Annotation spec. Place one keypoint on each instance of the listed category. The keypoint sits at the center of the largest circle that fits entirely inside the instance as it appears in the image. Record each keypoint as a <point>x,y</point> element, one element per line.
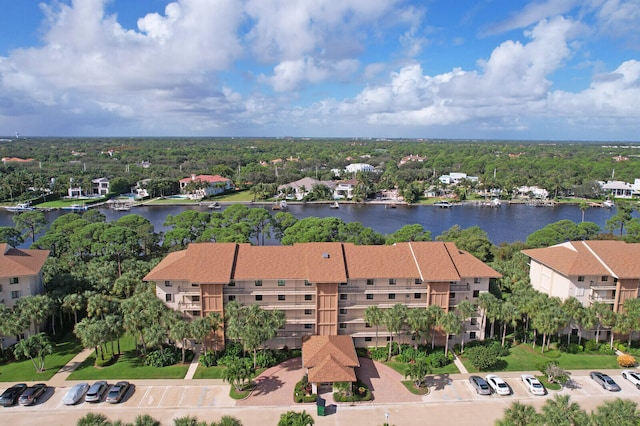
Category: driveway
<point>275,386</point>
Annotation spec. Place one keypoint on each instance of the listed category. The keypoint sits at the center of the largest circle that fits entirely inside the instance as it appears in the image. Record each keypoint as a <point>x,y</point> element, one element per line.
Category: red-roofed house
<point>20,276</point>
<point>323,288</point>
<point>205,185</point>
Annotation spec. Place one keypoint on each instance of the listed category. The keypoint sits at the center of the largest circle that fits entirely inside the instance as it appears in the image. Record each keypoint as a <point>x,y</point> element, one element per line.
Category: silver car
<point>605,381</point>
<point>480,385</point>
<point>96,391</point>
<point>75,394</point>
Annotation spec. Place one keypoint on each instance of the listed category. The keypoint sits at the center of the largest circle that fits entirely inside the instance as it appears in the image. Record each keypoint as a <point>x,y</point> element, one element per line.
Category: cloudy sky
<point>507,69</point>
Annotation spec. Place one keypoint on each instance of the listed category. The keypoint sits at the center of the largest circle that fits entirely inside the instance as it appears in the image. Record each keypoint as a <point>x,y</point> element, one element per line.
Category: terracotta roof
<point>468,265</point>
<point>205,178</point>
<point>330,358</point>
<point>434,261</point>
<point>199,263</point>
<point>20,262</point>
<point>394,261</point>
<point>569,259</point>
<point>620,257</point>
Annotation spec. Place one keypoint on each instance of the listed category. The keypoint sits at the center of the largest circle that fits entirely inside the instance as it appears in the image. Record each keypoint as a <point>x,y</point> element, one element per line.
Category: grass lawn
<point>128,366</point>
<point>411,387</point>
<point>208,372</point>
<point>401,368</point>
<point>24,371</point>
<point>524,358</point>
<point>236,196</point>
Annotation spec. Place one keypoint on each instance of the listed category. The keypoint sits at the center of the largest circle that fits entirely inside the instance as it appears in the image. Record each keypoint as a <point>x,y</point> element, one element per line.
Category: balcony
<point>188,290</point>
<point>459,287</point>
<point>602,299</point>
<point>192,306</point>
<point>602,286</point>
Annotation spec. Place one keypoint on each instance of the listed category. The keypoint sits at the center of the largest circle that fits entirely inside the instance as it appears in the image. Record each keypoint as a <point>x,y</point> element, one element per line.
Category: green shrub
<point>439,359</point>
<point>379,354</point>
<point>163,357</point>
<point>208,359</point>
<point>553,354</point>
<point>591,346</point>
<point>300,393</point>
<point>621,347</point>
<point>265,359</point>
<point>606,350</point>
<point>351,392</point>
<point>482,357</point>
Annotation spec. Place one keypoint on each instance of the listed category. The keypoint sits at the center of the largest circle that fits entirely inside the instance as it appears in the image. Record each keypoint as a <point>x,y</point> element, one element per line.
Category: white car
<point>632,376</point>
<point>498,385</point>
<point>533,384</point>
<point>75,394</point>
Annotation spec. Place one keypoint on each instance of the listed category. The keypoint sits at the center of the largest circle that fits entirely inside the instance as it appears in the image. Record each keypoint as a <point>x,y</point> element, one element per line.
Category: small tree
<point>237,373</point>
<point>292,418</point>
<point>36,348</point>
<point>418,370</point>
<point>555,374</point>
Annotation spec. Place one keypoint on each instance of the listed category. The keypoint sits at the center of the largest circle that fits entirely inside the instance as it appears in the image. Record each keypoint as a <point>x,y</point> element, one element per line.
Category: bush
<point>606,350</point>
<point>351,392</point>
<point>300,393</point>
<point>265,359</point>
<point>553,354</point>
<point>482,357</point>
<point>208,359</point>
<point>439,359</point>
<point>379,354</point>
<point>626,360</point>
<point>621,347</point>
<point>163,357</point>
<point>591,346</point>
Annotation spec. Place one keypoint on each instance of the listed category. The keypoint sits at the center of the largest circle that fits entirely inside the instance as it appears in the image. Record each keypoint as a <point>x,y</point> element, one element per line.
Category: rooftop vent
<point>325,255</point>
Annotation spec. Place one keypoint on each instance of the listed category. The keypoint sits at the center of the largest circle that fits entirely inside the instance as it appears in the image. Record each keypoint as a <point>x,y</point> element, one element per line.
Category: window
<point>392,296</point>
<point>581,278</point>
<point>15,294</point>
<point>258,297</point>
<point>369,296</point>
<point>232,297</point>
<point>308,326</point>
<point>308,311</point>
<point>282,297</point>
<point>14,280</point>
<point>367,339</point>
<point>307,283</point>
<point>232,284</point>
<point>370,281</point>
<point>418,281</point>
<point>476,293</point>
<point>195,313</point>
<point>343,311</point>
<point>604,278</point>
<point>168,297</point>
<point>417,295</point>
<point>474,321</point>
<point>579,292</point>
<point>281,283</point>
<point>308,297</point>
<point>343,296</point>
<point>476,280</point>
<point>195,285</point>
<point>258,283</point>
<point>392,281</point>
<point>343,325</point>
<point>472,335</point>
<point>452,295</point>
<point>367,325</point>
<point>168,284</point>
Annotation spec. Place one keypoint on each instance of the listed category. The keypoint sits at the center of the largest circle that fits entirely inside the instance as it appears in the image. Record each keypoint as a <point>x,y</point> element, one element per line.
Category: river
<point>509,223</point>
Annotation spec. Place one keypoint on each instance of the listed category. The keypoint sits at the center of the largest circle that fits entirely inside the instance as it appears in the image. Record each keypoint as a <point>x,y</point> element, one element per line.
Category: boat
<point>443,204</point>
<point>390,206</point>
<point>20,207</point>
<point>215,205</point>
<point>76,207</point>
<point>334,205</point>
<point>608,204</point>
<point>280,206</point>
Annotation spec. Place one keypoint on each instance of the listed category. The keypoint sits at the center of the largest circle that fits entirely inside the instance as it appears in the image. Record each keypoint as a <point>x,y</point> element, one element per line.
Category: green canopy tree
<point>408,233</point>
<point>11,236</point>
<point>35,347</point>
<point>452,326</point>
<point>418,370</point>
<point>394,319</point>
<point>30,223</point>
<point>616,412</point>
<point>560,411</point>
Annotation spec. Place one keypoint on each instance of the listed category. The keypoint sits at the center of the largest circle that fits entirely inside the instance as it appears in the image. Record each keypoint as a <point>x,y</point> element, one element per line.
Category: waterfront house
<point>620,189</point>
<point>302,187</point>
<point>359,167</point>
<point>20,276</point>
<point>100,186</point>
<point>323,288</point>
<point>344,189</point>
<point>207,185</point>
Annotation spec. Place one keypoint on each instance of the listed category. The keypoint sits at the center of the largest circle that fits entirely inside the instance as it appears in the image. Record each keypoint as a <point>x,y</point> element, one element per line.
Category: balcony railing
<point>602,299</point>
<point>602,285</point>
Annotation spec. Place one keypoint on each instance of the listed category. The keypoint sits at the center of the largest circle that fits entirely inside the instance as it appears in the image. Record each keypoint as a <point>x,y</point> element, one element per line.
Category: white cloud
<point>532,13</point>
<point>290,75</point>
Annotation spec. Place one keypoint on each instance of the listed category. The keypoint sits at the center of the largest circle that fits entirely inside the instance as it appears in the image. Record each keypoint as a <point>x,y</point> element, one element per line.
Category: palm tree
<point>490,306</point>
<point>583,207</point>
<point>434,312</point>
<point>373,316</point>
<point>74,302</point>
<point>418,321</point>
<point>559,411</point>
<point>394,319</point>
<point>616,413</point>
<point>145,420</point>
<point>519,414</point>
<point>509,315</point>
<point>417,371</point>
<point>575,311</point>
<point>93,419</point>
<point>466,310</point>
<point>292,418</point>
<point>602,313</point>
<point>452,325</point>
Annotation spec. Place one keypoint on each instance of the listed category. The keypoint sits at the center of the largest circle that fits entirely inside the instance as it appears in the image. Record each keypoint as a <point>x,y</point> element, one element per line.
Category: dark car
<point>32,393</point>
<point>11,395</point>
<point>117,392</point>
<point>605,381</point>
<point>480,385</point>
<point>96,391</point>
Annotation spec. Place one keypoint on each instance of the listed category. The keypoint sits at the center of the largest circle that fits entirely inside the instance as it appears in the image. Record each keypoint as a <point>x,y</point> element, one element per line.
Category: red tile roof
<point>329,358</point>
<point>205,178</point>
<point>20,262</point>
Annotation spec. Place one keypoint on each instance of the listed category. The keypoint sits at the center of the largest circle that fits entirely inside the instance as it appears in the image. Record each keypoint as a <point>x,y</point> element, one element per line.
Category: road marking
<point>141,403</point>
<point>161,403</point>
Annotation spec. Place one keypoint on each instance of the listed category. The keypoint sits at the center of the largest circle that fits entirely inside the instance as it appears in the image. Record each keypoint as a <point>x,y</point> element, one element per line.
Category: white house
<point>100,186</point>
<point>344,189</point>
<point>212,185</point>
<point>359,167</point>
<point>302,187</point>
<point>620,189</point>
<point>455,178</point>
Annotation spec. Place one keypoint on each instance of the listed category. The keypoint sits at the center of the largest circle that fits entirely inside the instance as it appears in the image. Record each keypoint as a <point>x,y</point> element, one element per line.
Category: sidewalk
<point>63,374</point>
<point>459,364</point>
<point>192,367</point>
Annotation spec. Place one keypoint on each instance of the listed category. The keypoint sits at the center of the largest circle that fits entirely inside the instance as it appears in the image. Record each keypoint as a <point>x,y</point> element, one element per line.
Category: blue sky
<point>505,69</point>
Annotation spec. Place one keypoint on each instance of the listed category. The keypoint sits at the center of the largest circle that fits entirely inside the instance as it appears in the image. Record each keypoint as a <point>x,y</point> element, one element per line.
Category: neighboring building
<point>212,185</point>
<point>16,160</point>
<point>359,167</point>
<point>324,288</point>
<point>456,178</point>
<point>75,192</point>
<point>344,189</point>
<point>533,191</point>
<point>411,159</point>
<point>620,189</point>
<point>100,186</point>
<point>329,359</point>
<point>20,276</point>
<point>590,271</point>
<point>302,187</point>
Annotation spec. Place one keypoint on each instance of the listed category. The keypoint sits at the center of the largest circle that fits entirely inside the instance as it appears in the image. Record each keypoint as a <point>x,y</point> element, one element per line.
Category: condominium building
<point>324,288</point>
<point>590,271</point>
<point>20,276</point>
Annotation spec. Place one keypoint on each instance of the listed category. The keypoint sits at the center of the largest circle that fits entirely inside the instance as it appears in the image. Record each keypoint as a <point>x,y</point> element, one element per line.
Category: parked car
<point>498,385</point>
<point>117,392</point>
<point>481,387</point>
<point>75,394</point>
<point>96,391</point>
<point>11,395</point>
<point>605,381</point>
<point>533,385</point>
<point>32,393</point>
<point>632,376</point>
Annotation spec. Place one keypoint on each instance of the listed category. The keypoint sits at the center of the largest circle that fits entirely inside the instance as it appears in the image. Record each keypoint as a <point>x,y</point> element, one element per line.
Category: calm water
<point>506,224</point>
